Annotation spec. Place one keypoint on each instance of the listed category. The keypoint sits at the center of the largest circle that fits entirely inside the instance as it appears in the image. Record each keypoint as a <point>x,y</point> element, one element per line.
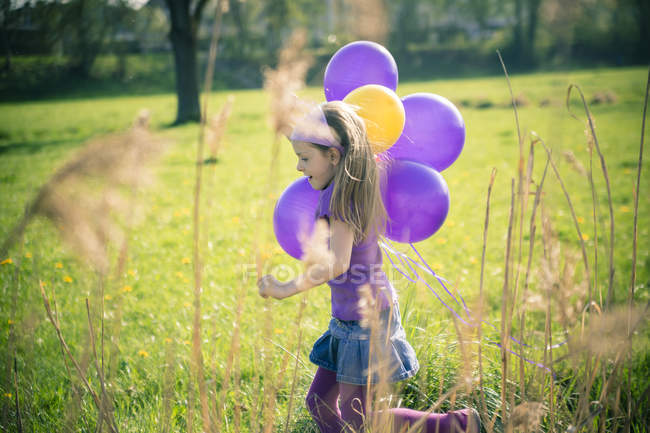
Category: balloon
<point>357,64</point>
<point>294,215</point>
<point>434,131</point>
<point>416,199</point>
<point>382,112</point>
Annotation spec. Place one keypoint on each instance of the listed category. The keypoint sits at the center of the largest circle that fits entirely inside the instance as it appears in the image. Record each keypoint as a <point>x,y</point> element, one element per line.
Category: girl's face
<point>316,165</point>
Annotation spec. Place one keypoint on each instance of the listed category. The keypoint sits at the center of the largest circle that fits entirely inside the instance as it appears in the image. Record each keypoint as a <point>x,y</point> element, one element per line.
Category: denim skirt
<point>346,348</point>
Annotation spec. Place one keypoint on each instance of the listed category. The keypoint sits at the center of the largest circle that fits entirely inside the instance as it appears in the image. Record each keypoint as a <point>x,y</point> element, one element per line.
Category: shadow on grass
<point>32,147</point>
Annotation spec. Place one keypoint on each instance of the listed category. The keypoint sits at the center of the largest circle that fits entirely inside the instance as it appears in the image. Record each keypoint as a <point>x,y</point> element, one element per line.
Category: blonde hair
<point>356,199</point>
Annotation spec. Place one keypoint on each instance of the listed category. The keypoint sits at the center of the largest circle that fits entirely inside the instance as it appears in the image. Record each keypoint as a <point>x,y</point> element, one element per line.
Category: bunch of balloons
<point>419,136</point>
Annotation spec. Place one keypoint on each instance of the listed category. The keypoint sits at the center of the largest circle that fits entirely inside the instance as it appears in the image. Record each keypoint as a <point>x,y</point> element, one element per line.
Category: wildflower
<point>108,297</point>
<point>179,274</point>
<point>6,262</point>
<point>187,305</point>
<point>581,220</point>
<point>242,252</point>
<point>186,260</point>
<point>177,214</point>
<point>168,340</point>
<point>59,265</point>
<point>185,211</point>
<point>8,395</point>
<point>126,289</point>
<point>67,279</point>
<point>186,280</point>
<point>186,342</point>
<point>28,255</point>
<point>441,241</point>
<point>235,220</point>
<point>10,322</point>
<point>131,272</point>
<point>438,266</point>
<point>585,237</point>
<point>467,237</point>
<point>279,331</point>
<point>472,260</point>
<point>624,208</point>
<point>143,353</point>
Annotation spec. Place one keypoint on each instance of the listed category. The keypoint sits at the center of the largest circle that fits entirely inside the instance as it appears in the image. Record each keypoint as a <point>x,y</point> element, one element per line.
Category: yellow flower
<point>177,214</point>
<point>185,211</point>
<point>627,171</point>
<point>108,297</point>
<point>186,280</point>
<point>127,289</point>
<point>168,340</point>
<point>624,208</point>
<point>8,395</point>
<point>451,223</point>
<point>179,274</point>
<point>67,279</point>
<point>186,342</point>
<point>279,331</point>
<point>242,252</point>
<point>441,241</point>
<point>467,237</point>
<point>10,322</point>
<point>585,237</point>
<point>59,265</point>
<point>235,220</point>
<point>143,353</point>
<point>131,272</point>
<point>473,260</point>
<point>581,220</point>
<point>187,305</point>
<point>437,266</point>
<point>28,255</point>
<point>186,260</point>
<point>6,262</point>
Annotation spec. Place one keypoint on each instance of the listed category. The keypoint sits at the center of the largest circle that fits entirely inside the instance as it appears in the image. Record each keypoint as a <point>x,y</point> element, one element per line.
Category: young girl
<point>333,151</point>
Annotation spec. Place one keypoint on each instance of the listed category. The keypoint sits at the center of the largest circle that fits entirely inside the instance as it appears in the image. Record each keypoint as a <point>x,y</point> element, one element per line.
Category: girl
<point>333,151</point>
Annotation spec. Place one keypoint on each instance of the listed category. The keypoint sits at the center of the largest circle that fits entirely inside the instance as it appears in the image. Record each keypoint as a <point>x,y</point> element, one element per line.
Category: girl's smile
<point>318,166</point>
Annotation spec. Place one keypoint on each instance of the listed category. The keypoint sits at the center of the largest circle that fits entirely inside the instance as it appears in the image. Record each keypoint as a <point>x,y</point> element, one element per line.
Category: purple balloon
<point>416,199</point>
<point>294,215</point>
<point>434,131</point>
<point>357,64</point>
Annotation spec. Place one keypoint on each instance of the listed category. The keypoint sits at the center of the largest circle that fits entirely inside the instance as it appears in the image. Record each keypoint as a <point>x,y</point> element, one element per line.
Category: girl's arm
<point>341,240</point>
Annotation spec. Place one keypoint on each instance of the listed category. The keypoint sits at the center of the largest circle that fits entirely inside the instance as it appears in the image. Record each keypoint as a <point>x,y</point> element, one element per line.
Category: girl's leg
<point>322,401</point>
<point>353,405</point>
<point>465,420</point>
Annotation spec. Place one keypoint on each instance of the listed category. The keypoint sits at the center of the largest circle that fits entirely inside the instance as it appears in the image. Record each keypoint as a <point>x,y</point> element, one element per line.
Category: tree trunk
<point>6,7</point>
<point>533,19</point>
<point>183,39</point>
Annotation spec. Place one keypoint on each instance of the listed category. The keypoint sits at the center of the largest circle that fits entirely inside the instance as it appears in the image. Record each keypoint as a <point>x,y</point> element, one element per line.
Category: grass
<point>151,301</point>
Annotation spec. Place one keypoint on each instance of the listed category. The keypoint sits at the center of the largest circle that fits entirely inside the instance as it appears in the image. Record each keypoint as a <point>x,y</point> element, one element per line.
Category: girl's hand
<point>269,286</point>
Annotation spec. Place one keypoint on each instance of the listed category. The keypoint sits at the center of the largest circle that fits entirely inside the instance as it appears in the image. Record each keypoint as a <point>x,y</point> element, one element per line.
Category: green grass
<point>36,137</point>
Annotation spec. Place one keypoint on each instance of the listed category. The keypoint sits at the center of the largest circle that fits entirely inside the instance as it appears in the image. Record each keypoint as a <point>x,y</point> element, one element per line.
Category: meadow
<point>255,351</point>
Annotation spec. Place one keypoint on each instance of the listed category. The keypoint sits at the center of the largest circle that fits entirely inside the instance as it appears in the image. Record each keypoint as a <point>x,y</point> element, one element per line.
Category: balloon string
<point>418,278</point>
<point>405,258</point>
<point>443,285</point>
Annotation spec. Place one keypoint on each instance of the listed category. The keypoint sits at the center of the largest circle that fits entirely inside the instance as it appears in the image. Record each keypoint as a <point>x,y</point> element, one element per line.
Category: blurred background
<point>54,47</point>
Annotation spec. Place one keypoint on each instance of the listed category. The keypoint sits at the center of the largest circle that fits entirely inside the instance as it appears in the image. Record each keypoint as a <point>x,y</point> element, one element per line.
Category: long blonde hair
<point>356,199</point>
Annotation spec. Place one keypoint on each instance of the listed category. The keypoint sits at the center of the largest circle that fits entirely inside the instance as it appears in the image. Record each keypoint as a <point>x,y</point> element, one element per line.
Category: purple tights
<point>336,406</point>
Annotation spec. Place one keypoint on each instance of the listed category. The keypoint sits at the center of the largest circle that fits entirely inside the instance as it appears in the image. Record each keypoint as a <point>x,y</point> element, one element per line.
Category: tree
<point>185,17</point>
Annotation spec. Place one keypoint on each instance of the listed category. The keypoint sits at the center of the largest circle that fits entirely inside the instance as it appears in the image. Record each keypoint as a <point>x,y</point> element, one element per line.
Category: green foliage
<point>155,314</point>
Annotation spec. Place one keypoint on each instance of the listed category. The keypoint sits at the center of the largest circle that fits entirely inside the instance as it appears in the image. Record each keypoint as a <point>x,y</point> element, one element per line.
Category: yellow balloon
<point>382,112</point>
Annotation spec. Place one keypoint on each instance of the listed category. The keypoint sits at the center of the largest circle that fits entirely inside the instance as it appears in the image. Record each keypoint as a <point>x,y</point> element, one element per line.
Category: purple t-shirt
<point>365,268</point>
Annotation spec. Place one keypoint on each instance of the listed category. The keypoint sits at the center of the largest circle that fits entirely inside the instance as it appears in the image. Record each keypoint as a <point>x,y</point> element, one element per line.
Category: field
<point>149,301</point>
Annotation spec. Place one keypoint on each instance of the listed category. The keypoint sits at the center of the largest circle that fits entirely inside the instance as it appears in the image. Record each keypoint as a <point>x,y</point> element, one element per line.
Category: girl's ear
<point>334,155</point>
